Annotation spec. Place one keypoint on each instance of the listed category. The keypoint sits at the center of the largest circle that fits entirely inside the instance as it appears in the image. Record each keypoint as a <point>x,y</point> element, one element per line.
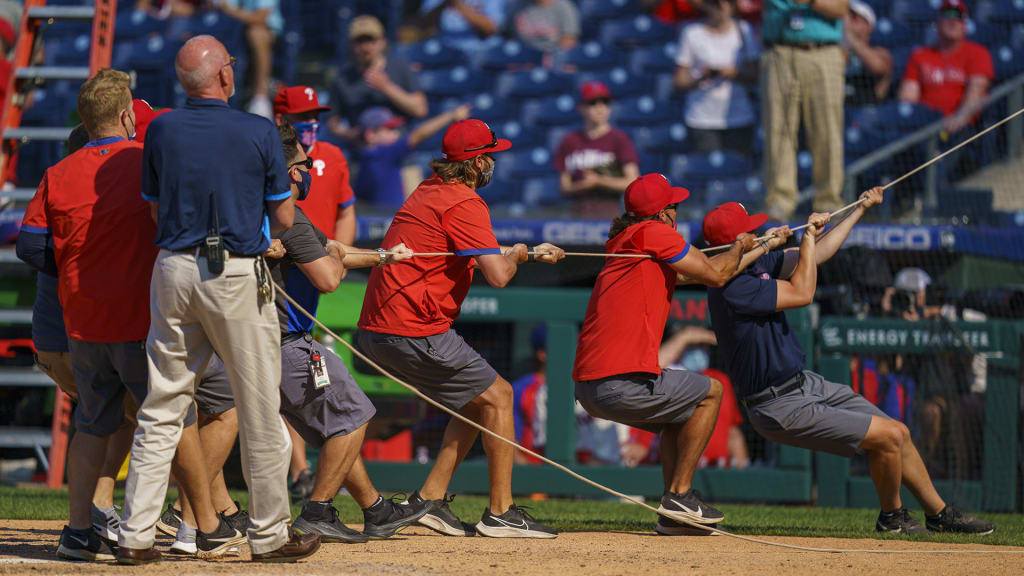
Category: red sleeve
<point>663,243</point>
<point>912,72</point>
<point>626,152</point>
<point>35,213</point>
<point>980,63</point>
<point>468,225</point>
<point>346,197</point>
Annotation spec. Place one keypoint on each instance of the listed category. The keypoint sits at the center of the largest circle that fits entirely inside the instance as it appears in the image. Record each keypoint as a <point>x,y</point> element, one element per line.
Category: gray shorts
<point>104,371</point>
<point>318,415</point>
<point>442,366</point>
<point>642,400</point>
<point>821,415</point>
<point>213,395</point>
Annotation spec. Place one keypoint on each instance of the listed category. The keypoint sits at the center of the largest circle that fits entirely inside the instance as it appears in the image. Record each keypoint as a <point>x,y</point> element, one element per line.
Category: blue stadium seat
<point>988,34</point>
<point>643,111</point>
<point>1002,11</point>
<point>665,89</point>
<point>535,83</point>
<point>68,50</point>
<point>488,108</point>
<point>500,192</point>
<point>882,8</point>
<point>804,169</point>
<point>541,191</point>
<point>62,28</point>
<point>519,135</point>
<point>136,24</point>
<point>693,170</point>
<point>619,81</point>
<point>152,59</point>
<point>458,81</point>
<point>641,30</point>
<point>899,117</point>
<point>228,30</point>
<point>746,189</point>
<point>916,10</point>
<point>510,54</point>
<point>607,9</point>
<point>433,53</point>
<point>521,163</point>
<point>552,111</point>
<point>900,57</point>
<point>659,59</point>
<point>663,139</point>
<point>556,134</point>
<point>1008,62</point>
<point>890,34</point>
<point>590,56</point>
<point>858,143</point>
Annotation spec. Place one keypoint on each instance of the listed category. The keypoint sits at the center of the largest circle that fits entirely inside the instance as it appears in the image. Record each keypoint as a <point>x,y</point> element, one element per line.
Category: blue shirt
<point>759,346</point>
<point>304,243</point>
<point>789,21</point>
<point>380,174</point>
<point>208,147</point>
<point>458,32</point>
<point>48,333</point>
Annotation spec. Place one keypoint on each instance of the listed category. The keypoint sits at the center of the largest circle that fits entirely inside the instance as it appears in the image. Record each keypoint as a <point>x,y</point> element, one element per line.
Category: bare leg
<point>261,41</point>
<point>358,484</point>
<point>495,406</point>
<point>917,480</point>
<point>458,439</point>
<point>118,445</point>
<point>884,445</point>
<point>86,458</point>
<point>336,459</point>
<point>217,433</point>
<point>669,435</point>
<point>693,438</point>
<point>299,462</point>
<point>190,469</point>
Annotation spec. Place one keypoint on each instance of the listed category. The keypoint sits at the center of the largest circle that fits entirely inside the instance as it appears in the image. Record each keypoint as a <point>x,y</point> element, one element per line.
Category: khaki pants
<point>192,314</point>
<point>809,85</point>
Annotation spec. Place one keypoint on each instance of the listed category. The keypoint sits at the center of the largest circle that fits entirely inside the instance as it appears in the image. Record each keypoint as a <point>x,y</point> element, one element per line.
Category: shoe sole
<point>389,530</point>
<point>882,529</point>
<point>221,549</point>
<point>507,532</point>
<point>305,528</point>
<point>441,527</point>
<point>135,562</point>
<point>986,533</point>
<point>685,530</point>
<point>183,549</point>
<point>167,529</point>
<point>692,517</point>
<point>105,533</point>
<point>81,555</point>
<point>287,559</point>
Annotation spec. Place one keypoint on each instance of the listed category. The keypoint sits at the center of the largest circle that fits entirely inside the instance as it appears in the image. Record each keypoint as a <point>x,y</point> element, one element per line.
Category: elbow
<point>499,282</point>
<point>328,285</point>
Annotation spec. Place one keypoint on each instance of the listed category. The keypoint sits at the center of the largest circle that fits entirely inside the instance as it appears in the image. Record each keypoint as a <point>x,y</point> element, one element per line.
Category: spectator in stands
<point>373,77</point>
<point>802,81</point>
<point>530,399</point>
<point>675,11</point>
<point>465,24</point>
<point>263,24</point>
<point>716,57</point>
<point>164,9</point>
<point>331,203</point>
<point>868,68</point>
<point>952,76</point>
<point>598,160</point>
<point>385,148</point>
<point>547,25</point>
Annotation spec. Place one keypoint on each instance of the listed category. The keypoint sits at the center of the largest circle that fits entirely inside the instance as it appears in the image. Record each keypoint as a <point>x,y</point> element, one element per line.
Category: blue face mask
<point>696,359</point>
<point>307,133</point>
<point>304,184</point>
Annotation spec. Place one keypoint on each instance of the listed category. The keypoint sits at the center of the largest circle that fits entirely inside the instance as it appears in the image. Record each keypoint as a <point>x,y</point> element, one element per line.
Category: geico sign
<point>568,232</point>
<point>891,238</point>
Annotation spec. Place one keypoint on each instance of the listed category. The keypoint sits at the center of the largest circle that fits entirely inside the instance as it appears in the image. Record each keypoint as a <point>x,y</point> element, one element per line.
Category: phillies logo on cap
<point>470,138</point>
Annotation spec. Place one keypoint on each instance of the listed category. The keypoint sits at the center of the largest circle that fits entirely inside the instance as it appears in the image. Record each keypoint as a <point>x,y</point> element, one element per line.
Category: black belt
<point>773,392</point>
<point>800,45</point>
<point>293,336</point>
<point>192,250</point>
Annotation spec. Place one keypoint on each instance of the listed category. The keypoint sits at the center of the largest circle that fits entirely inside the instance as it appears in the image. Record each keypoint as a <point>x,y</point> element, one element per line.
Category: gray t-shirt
<point>543,25</point>
<point>305,244</point>
<point>350,94</point>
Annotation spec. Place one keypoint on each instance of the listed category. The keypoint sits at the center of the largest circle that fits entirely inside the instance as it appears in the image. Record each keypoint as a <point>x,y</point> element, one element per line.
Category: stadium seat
<point>228,30</point>
<point>746,189</point>
<point>1008,62</point>
<point>535,83</point>
<point>890,34</point>
<point>619,81</point>
<point>857,143</point>
<point>552,111</point>
<point>521,163</point>
<point>589,56</point>
<point>433,53</point>
<point>665,89</point>
<point>520,137</point>
<point>68,50</point>
<point>134,24</point>
<point>1006,11</point>
<point>900,117</point>
<point>989,34</point>
<point>607,9</point>
<point>915,10</point>
<point>882,8</point>
<point>458,81</point>
<point>510,54</point>
<point>657,59</point>
<point>900,57</point>
<point>662,139</point>
<point>641,30</point>
<point>541,191</point>
<point>804,169</point>
<point>643,111</point>
<point>556,134</point>
<point>488,108</point>
<point>697,169</point>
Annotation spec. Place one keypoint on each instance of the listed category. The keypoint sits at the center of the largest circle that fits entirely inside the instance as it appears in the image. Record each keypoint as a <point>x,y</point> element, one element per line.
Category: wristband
<point>383,257</point>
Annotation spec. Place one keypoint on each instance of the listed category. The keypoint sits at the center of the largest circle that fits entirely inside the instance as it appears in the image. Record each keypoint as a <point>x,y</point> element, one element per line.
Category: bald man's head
<point>200,64</point>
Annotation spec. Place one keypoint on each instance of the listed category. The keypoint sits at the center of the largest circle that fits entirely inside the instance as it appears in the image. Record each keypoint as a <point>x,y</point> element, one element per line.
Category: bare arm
<point>326,273</point>
<point>910,91</point>
<point>247,17</point>
<point>830,241</point>
<point>428,128</point>
<point>977,86</point>
<point>715,271</point>
<point>282,214</point>
<point>684,78</point>
<point>345,225</point>
<point>799,290</point>
<point>356,258</point>
<point>833,9</point>
<point>154,211</point>
<point>630,172</point>
<point>674,347</point>
<point>498,269</point>
<point>480,23</point>
<point>877,59</point>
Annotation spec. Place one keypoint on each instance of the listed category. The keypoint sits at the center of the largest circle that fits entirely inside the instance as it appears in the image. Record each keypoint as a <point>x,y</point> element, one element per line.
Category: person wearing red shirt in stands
<point>952,76</point>
<point>408,313</point>
<point>617,373</point>
<point>331,203</point>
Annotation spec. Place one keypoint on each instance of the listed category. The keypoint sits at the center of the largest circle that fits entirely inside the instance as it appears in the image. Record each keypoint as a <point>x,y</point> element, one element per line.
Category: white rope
<point>630,499</point>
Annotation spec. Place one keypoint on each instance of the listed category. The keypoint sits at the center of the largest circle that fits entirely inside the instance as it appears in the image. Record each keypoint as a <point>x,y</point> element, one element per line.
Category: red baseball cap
<point>296,100</point>
<point>723,224</point>
<point>594,90</point>
<point>953,5</point>
<point>470,138</point>
<point>7,32</point>
<point>144,114</point>
<point>650,193</point>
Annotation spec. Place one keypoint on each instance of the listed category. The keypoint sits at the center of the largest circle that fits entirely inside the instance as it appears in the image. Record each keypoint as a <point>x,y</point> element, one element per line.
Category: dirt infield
<point>28,547</point>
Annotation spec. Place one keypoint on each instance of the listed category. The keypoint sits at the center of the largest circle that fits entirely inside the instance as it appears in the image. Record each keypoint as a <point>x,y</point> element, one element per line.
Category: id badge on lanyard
<point>318,368</point>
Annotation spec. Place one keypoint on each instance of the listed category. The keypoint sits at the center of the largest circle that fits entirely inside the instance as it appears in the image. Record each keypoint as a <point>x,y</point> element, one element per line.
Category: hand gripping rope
<point>668,514</point>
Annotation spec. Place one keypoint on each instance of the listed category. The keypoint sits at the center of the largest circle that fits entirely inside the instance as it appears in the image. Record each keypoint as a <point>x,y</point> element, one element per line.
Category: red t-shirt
<point>943,76</point>
<point>605,155</point>
<point>629,305</point>
<point>422,296</point>
<point>330,190</point>
<point>729,415</point>
<point>91,202</point>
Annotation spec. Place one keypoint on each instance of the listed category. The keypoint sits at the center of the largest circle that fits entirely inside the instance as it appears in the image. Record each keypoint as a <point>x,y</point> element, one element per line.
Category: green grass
<point>589,515</point>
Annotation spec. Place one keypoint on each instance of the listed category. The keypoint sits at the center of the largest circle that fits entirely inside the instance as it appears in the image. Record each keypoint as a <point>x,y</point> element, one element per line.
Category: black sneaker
<point>953,520</point>
<point>691,506</point>
<point>215,544</point>
<point>321,518</point>
<point>669,527</point>
<point>239,520</point>
<point>440,517</point>
<point>516,522</point>
<point>386,517</point>
<point>85,545</point>
<point>169,521</point>
<point>302,488</point>
<point>899,522</point>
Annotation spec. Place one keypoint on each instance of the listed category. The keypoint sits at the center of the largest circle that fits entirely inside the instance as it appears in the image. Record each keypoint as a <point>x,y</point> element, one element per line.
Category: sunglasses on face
<point>952,15</point>
<point>308,163</point>
<point>364,39</point>
<point>596,101</point>
<point>494,142</point>
<point>231,62</point>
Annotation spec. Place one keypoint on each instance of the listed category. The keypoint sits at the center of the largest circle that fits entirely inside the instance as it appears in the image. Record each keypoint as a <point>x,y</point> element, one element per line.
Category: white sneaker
<point>184,541</point>
<point>260,106</point>
<point>106,525</point>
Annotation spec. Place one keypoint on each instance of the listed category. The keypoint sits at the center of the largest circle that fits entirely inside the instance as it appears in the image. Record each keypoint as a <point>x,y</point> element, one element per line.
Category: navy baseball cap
<point>379,117</point>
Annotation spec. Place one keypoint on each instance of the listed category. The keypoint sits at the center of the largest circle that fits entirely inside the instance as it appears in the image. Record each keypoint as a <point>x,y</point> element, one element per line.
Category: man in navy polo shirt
<point>212,174</point>
<point>790,405</point>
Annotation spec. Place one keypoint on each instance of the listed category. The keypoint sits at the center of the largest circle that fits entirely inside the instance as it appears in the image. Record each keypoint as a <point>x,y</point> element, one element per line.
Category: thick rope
<point>666,513</point>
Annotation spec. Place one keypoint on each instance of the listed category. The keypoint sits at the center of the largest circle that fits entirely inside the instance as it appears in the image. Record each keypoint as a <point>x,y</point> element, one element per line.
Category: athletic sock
<point>938,515</point>
<point>377,503</point>
<point>108,510</point>
<point>81,531</point>
<point>185,532</point>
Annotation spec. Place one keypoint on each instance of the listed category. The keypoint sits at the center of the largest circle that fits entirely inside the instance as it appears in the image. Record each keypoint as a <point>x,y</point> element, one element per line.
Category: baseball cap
<point>594,90</point>
<point>144,114</point>
<point>296,100</point>
<point>379,117</point>
<point>650,193</point>
<point>7,32</point>
<point>864,10</point>
<point>723,224</point>
<point>957,5</point>
<point>470,138</point>
<point>365,25</point>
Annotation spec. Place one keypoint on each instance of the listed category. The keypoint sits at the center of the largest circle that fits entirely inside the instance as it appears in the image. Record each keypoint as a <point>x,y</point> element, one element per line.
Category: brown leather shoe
<point>136,556</point>
<point>297,547</point>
